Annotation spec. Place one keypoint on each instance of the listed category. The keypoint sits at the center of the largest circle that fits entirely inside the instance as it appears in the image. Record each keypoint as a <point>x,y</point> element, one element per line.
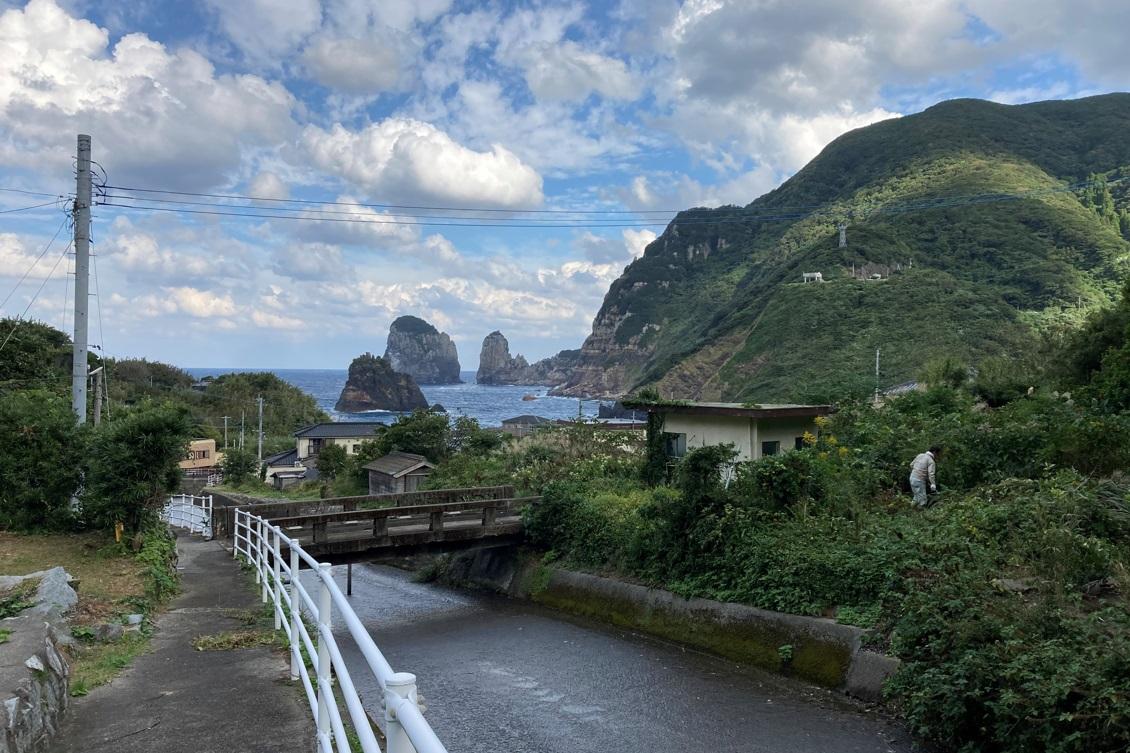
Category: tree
<point>133,465</point>
<point>332,460</point>
<point>422,432</point>
<point>238,465</point>
<point>467,436</point>
<point>41,455</point>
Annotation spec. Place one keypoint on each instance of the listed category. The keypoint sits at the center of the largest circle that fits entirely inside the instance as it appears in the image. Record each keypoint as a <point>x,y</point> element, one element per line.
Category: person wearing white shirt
<point>922,474</point>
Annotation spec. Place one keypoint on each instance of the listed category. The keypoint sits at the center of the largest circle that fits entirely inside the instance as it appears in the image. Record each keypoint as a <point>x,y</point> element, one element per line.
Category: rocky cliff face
<point>374,385</point>
<point>419,350</point>
<point>497,366</point>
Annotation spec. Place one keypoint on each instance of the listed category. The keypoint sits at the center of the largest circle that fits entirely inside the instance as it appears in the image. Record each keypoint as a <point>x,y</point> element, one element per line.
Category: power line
<point>20,319</point>
<point>425,207</point>
<point>33,206</point>
<point>33,193</point>
<point>306,212</point>
<point>35,263</point>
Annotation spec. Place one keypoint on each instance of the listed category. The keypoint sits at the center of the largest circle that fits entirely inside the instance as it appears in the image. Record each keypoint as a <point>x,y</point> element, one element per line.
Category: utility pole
<point>226,431</point>
<point>97,374</point>
<point>242,416</point>
<point>260,428</point>
<point>876,375</point>
<point>82,279</point>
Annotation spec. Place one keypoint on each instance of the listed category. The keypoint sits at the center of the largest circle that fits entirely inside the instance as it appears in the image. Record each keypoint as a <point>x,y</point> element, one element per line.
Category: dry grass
<point>106,574</point>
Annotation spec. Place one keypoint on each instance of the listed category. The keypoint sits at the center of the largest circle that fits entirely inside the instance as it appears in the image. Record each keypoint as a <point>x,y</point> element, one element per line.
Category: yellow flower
<point>843,452</point>
<point>809,438</point>
<point>821,421</point>
<point>831,440</point>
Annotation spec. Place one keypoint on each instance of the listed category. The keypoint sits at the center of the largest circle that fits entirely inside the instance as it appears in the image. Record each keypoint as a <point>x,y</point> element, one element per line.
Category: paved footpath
<point>175,699</point>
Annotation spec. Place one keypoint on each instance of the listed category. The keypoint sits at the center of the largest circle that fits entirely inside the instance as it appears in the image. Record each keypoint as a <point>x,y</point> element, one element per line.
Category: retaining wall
<point>817,650</point>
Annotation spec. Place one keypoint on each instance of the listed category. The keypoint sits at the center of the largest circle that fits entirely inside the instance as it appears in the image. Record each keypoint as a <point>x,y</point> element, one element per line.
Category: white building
<point>754,430</point>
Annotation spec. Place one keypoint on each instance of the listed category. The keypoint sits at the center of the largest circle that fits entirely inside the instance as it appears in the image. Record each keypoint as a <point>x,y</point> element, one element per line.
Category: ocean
<point>489,404</point>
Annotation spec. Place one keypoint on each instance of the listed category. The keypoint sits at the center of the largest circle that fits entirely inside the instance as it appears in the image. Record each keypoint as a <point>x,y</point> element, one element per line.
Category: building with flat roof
<point>755,430</point>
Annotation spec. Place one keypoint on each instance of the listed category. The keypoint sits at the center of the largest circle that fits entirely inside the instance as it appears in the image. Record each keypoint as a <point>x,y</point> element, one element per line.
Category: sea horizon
<point>488,404</point>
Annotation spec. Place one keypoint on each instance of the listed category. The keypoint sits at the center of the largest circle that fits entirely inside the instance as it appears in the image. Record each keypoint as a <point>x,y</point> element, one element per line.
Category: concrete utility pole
<point>82,279</point>
<point>226,431</point>
<point>260,428</point>
<point>876,375</point>
<point>242,417</point>
<point>97,374</point>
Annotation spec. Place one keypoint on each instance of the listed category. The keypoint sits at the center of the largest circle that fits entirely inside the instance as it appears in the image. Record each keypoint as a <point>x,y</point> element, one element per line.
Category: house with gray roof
<point>397,472</point>
<point>310,440</point>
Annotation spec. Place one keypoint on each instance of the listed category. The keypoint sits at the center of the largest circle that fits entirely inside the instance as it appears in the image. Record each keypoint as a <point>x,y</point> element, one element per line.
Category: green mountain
<point>972,228</point>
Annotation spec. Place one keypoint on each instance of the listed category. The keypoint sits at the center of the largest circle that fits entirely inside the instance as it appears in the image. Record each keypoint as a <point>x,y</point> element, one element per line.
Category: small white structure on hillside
<point>812,276</point>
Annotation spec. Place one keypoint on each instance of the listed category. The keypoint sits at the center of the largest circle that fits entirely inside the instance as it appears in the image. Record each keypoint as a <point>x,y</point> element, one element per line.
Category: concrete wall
<point>201,446</point>
<point>744,433</point>
<point>703,431</point>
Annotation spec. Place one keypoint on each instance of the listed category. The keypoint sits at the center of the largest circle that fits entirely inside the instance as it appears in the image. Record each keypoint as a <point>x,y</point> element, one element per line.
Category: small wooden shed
<point>397,472</point>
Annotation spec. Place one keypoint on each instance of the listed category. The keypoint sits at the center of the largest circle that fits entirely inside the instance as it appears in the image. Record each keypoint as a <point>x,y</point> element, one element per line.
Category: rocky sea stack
<point>418,349</point>
<point>374,385</point>
<point>497,366</point>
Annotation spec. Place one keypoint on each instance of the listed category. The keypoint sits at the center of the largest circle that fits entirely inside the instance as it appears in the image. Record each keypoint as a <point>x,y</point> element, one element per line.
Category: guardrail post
<point>295,614</point>
<point>264,552</point>
<point>489,512</point>
<point>253,545</point>
<point>402,685</point>
<point>436,522</point>
<point>278,578</point>
<point>235,537</point>
<point>325,606</point>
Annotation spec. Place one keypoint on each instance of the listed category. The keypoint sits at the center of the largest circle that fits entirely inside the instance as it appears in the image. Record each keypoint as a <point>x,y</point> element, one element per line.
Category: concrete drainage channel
<point>817,650</point>
<point>34,674</point>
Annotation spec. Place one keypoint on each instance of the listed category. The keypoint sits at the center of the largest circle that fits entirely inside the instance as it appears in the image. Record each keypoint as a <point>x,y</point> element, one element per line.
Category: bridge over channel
<point>347,529</point>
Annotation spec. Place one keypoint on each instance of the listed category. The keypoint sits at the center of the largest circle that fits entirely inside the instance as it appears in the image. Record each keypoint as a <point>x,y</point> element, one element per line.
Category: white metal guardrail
<point>406,730</point>
<point>191,512</point>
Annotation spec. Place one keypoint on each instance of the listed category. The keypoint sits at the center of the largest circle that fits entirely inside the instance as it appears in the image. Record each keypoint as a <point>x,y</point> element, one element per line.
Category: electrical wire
<point>34,193</point>
<point>20,319</point>
<point>34,263</point>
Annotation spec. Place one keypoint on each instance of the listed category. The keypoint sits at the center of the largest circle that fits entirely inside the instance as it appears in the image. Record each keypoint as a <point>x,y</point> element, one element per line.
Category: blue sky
<point>491,108</point>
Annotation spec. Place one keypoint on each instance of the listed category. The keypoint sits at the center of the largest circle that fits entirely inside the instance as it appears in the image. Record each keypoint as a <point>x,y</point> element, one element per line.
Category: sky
<point>576,128</point>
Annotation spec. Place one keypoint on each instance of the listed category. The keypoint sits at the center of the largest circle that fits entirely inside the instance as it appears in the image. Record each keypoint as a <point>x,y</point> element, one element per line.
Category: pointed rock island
<point>421,351</point>
<point>374,385</point>
<point>497,366</point>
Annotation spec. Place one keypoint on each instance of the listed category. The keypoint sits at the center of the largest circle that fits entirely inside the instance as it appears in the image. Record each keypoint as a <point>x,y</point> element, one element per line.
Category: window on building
<point>675,445</point>
<point>356,449</point>
<point>770,448</point>
<point>799,443</point>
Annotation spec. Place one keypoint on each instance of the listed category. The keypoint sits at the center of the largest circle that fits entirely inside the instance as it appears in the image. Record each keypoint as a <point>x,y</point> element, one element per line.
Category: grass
<point>345,485</point>
<point>230,640</point>
<point>5,635</point>
<point>111,582</point>
<point>17,599</point>
<point>107,576</point>
<point>99,663</point>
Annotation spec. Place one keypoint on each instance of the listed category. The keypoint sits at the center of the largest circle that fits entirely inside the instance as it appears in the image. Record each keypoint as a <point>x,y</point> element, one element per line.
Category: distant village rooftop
<point>335,429</point>
<point>744,410</point>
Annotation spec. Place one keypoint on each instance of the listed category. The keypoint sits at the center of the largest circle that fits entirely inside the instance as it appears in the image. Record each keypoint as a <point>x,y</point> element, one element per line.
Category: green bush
<point>238,466</point>
<point>41,460</point>
<point>134,464</point>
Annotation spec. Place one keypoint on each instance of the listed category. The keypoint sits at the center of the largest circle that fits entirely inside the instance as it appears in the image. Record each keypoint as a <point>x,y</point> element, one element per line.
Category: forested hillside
<point>973,230</point>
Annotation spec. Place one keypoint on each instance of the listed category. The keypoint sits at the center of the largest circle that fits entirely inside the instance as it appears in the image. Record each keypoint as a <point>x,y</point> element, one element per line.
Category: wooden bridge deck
<point>390,529</point>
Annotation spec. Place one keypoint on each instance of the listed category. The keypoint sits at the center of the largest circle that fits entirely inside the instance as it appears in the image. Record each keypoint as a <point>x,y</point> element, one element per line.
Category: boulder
<point>374,385</point>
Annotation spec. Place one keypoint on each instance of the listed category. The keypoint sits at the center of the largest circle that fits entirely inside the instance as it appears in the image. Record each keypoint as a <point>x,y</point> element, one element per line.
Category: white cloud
<point>156,117</point>
<point>310,261</point>
<point>566,71</point>
<point>264,30</point>
<point>400,159</point>
<point>269,185</point>
<point>268,320</point>
<point>354,65</point>
<point>203,304</point>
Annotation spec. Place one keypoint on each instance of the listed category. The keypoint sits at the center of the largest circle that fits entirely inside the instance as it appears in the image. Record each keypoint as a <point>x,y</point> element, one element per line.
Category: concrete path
<point>175,699</point>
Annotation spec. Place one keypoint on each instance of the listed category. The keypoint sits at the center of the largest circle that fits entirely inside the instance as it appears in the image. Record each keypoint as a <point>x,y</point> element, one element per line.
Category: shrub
<point>40,462</point>
<point>332,460</point>
<point>238,466</point>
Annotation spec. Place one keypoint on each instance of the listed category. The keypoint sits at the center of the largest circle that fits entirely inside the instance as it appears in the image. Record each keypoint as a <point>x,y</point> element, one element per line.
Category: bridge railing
<point>189,511</point>
<point>486,513</point>
<point>260,543</point>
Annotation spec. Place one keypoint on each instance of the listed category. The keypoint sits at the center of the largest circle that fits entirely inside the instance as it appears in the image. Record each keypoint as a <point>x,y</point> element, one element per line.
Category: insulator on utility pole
<point>83,191</point>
